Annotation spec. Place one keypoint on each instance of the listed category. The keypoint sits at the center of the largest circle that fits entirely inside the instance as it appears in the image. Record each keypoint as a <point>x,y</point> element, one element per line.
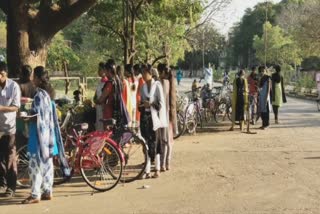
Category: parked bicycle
<point>99,161</point>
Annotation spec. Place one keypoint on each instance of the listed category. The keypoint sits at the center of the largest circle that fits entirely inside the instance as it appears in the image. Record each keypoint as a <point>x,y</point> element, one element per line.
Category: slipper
<point>156,175</point>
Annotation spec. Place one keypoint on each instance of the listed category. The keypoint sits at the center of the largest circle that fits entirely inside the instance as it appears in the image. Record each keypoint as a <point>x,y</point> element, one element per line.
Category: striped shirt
<point>9,96</point>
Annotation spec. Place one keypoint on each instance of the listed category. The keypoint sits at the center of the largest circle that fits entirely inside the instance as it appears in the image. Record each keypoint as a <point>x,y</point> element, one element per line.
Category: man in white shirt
<point>9,105</point>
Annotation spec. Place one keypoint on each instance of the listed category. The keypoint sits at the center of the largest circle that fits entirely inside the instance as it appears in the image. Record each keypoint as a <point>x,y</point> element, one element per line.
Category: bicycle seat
<point>82,126</point>
<point>108,122</point>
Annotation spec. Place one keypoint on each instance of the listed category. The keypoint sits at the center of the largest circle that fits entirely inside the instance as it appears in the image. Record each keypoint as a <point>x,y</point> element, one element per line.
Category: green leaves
<point>279,49</point>
<point>60,52</point>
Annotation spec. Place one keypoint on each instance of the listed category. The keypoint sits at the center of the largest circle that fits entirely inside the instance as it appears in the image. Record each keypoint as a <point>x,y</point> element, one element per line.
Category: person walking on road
<point>9,105</point>
<point>239,100</point>
<point>278,92</point>
<point>264,97</point>
<point>179,76</point>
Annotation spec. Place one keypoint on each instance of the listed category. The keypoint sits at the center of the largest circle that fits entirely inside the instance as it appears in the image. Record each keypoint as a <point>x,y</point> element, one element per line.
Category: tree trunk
<point>132,38</point>
<point>66,74</point>
<point>126,31</point>
<point>30,30</point>
<point>24,43</point>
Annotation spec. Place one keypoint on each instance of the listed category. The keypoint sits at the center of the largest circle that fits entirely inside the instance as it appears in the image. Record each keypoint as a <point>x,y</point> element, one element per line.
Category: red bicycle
<point>131,145</point>
<point>98,160</point>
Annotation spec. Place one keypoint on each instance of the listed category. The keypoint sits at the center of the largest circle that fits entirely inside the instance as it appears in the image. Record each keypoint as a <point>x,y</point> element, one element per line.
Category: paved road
<point>275,171</point>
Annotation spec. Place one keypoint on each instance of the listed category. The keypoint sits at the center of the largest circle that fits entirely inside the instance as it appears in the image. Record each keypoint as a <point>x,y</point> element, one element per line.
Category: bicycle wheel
<point>191,119</point>
<point>181,125</point>
<point>221,113</point>
<point>103,171</point>
<point>23,179</point>
<point>191,126</point>
<point>135,152</point>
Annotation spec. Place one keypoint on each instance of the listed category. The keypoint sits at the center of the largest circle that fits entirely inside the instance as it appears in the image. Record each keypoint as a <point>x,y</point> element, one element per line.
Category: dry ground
<point>275,171</point>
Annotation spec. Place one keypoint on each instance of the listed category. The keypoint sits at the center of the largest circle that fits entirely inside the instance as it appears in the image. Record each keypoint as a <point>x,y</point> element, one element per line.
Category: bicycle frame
<point>84,145</point>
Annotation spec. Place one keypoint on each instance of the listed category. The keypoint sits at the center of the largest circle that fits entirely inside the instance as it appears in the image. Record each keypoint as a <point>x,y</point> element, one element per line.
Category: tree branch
<point>132,54</point>
<point>121,35</point>
<point>157,59</point>
<point>56,18</point>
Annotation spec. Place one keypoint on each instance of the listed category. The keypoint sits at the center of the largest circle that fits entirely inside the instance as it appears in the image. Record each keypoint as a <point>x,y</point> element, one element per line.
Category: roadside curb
<point>301,97</point>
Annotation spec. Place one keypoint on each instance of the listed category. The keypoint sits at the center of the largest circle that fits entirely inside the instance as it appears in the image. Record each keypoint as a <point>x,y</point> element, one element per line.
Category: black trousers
<point>8,162</point>
<point>275,111</point>
<point>265,117</point>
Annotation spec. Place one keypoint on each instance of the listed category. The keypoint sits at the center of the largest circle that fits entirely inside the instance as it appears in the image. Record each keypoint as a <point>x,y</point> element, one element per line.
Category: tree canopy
<point>279,49</point>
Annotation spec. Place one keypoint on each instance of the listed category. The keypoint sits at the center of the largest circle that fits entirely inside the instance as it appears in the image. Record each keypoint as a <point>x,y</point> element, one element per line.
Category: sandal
<point>147,176</point>
<point>30,200</point>
<point>163,169</point>
<point>156,174</point>
<point>46,197</point>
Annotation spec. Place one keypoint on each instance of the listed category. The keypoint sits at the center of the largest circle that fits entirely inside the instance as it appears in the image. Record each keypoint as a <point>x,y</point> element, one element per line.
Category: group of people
<point>141,97</point>
<point>44,137</point>
<point>256,94</point>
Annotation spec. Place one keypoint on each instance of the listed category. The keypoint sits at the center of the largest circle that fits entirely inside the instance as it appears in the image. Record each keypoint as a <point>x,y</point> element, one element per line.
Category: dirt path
<point>274,171</point>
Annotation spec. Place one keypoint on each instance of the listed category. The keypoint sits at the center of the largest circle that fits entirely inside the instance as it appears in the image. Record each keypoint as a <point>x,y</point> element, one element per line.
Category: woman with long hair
<point>99,108</point>
<point>126,90</point>
<point>169,88</point>
<point>153,118</point>
<point>264,97</point>
<point>278,92</point>
<point>132,91</point>
<point>239,100</point>
<point>44,140</point>
<point>111,97</point>
<point>139,82</point>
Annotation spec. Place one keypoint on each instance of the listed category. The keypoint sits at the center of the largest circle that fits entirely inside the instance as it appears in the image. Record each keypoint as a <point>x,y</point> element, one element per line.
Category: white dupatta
<point>159,118</point>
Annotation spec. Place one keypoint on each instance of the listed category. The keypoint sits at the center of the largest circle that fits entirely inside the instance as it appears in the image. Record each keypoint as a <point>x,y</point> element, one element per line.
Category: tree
<point>60,55</point>
<point>119,18</point>
<point>206,39</point>
<point>164,32</point>
<point>242,34</point>
<point>32,24</point>
<point>301,20</point>
<point>3,38</point>
<point>279,49</point>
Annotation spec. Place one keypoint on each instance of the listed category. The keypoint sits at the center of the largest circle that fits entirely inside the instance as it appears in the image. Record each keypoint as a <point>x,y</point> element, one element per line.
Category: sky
<point>233,13</point>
